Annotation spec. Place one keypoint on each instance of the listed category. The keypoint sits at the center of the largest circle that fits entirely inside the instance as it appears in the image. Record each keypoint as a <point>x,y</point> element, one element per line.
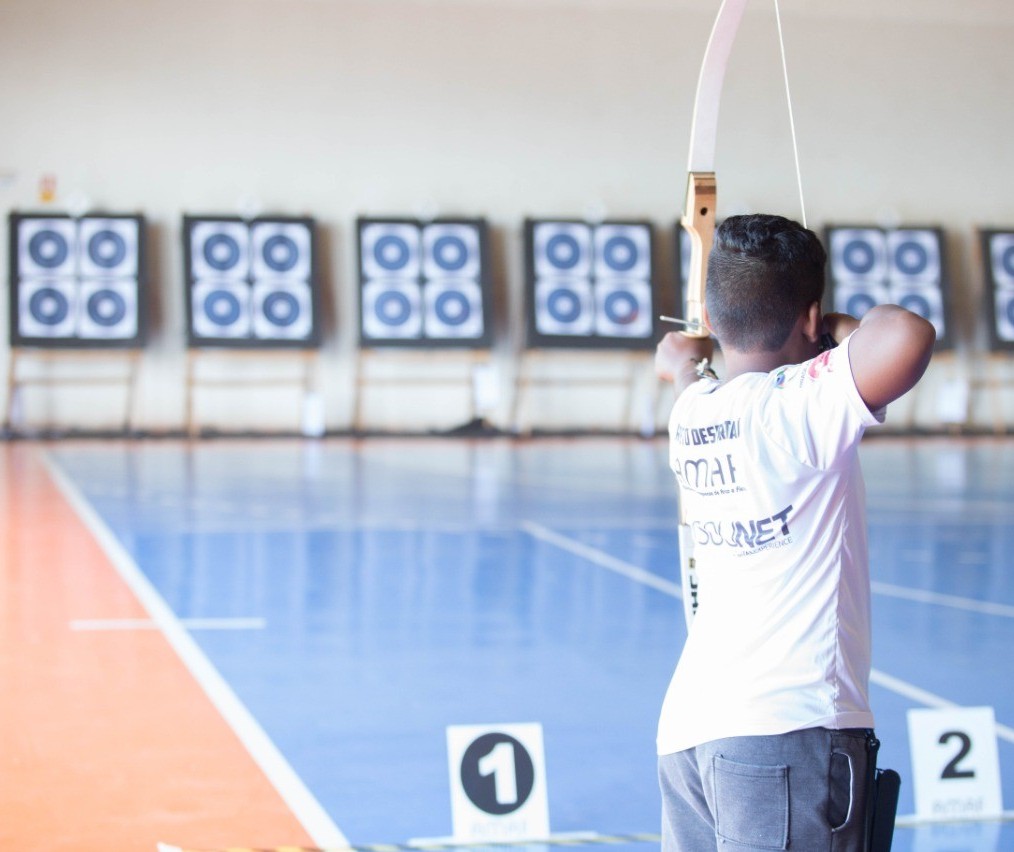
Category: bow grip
<point>699,222</point>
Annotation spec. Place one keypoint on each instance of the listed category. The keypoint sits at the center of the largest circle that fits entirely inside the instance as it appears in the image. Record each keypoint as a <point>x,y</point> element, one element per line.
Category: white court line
<point>954,601</point>
<point>603,560</point>
<point>148,624</point>
<point>639,575</point>
<point>289,785</point>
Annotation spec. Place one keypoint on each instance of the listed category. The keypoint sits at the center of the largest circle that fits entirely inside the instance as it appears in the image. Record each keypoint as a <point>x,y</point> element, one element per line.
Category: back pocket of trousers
<point>752,804</point>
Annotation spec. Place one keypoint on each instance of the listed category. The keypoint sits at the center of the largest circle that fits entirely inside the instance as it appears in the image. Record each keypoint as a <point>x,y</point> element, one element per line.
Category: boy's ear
<point>706,318</point>
<point>813,324</point>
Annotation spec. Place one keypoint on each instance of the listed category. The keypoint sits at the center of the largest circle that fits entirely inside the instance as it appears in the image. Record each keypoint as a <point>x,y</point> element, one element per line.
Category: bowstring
<point>792,121</point>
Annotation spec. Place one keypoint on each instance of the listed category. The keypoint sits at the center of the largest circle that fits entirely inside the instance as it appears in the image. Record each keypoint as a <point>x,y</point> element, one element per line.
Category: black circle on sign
<point>481,789</point>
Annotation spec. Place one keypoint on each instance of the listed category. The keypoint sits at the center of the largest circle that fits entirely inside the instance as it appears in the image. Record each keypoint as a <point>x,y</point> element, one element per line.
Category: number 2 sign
<point>498,783</point>
<point>956,768</point>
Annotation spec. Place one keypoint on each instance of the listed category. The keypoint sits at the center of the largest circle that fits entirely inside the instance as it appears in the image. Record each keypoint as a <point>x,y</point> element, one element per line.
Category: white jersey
<point>770,485</point>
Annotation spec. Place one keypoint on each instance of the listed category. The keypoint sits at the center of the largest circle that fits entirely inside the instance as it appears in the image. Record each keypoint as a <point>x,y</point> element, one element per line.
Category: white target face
<point>390,250</point>
<point>564,306</point>
<point>281,310</point>
<point>856,300</point>
<point>392,310</point>
<point>108,248</point>
<point>47,248</point>
<point>221,309</point>
<point>686,250</point>
<point>48,308</point>
<point>452,309</point>
<point>1004,306</point>
<point>1001,256</point>
<point>562,249</point>
<point>219,250</point>
<point>623,308</point>
<point>914,257</point>
<point>622,251</point>
<point>108,309</point>
<point>927,302</point>
<point>858,256</point>
<point>281,250</point>
<point>451,251</point>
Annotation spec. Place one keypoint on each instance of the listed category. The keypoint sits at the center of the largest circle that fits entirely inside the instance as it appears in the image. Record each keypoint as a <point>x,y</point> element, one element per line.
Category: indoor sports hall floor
<point>262,643</point>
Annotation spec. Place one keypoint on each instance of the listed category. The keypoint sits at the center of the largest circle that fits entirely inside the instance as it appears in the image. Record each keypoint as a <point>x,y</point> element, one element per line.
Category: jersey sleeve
<point>814,410</point>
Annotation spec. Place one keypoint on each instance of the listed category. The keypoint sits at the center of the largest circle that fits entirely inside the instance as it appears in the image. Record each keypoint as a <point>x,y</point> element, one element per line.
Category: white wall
<point>499,108</point>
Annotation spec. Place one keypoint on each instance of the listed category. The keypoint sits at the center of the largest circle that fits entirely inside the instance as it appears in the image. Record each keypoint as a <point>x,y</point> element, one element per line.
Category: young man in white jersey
<point>764,732</point>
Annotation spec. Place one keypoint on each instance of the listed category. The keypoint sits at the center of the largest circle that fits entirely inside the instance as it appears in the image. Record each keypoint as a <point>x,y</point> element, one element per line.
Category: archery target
<point>220,309</point>
<point>685,251</point>
<point>77,282</point>
<point>999,251</point>
<point>451,251</point>
<point>914,256</point>
<point>48,308</point>
<point>564,306</point>
<point>108,248</point>
<point>858,255</point>
<point>1001,255</point>
<point>108,309</point>
<point>281,310</point>
<point>1004,312</point>
<point>622,251</point>
<point>856,300</point>
<point>390,250</point>
<point>281,250</point>
<point>623,308</point>
<point>47,247</point>
<point>901,266</point>
<point>452,308</point>
<point>927,302</point>
<point>392,309</point>
<point>562,249</point>
<point>219,249</point>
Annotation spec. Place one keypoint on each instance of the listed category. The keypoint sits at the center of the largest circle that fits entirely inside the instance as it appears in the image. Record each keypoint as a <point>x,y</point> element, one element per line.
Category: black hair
<point>764,271</point>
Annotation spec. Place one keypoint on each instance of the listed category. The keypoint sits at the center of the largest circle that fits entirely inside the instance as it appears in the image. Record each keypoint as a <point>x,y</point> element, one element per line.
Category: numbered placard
<point>498,783</point>
<point>955,765</point>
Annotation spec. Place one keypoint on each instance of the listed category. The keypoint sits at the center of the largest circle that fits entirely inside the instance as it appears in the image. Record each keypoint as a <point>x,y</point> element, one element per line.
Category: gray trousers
<point>806,790</point>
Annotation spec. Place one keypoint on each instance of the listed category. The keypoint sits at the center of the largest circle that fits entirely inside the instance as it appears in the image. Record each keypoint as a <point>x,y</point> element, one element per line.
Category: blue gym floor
<point>400,586</point>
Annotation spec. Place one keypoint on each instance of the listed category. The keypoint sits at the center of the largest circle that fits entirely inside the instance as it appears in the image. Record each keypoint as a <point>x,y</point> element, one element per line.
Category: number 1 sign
<point>955,763</point>
<point>498,783</point>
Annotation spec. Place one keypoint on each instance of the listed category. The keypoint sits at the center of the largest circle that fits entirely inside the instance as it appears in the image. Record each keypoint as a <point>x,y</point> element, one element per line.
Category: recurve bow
<point>699,222</point>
